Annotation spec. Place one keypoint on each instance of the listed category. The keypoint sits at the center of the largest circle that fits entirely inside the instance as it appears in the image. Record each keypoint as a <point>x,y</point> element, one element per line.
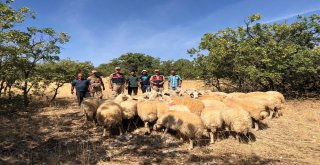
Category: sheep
<point>168,105</point>
<point>193,93</point>
<point>195,106</point>
<point>89,107</point>
<point>256,108</point>
<point>217,113</point>
<point>147,111</point>
<point>187,124</point>
<point>273,100</point>
<point>109,115</point>
<point>212,120</point>
<point>129,107</point>
<point>237,120</point>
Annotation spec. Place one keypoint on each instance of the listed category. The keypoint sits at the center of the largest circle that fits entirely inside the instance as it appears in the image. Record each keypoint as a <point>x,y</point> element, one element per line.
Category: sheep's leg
<point>256,125</point>
<point>146,125</point>
<point>271,114</point>
<point>164,133</point>
<point>238,137</point>
<point>104,132</point>
<point>120,130</point>
<point>211,137</point>
<point>190,144</point>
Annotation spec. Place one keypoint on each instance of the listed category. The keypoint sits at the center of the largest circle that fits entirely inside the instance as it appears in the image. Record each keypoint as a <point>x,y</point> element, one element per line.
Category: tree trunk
<point>25,94</point>
<point>218,84</point>
<point>1,87</point>
<point>271,83</point>
<point>56,92</point>
<point>10,93</point>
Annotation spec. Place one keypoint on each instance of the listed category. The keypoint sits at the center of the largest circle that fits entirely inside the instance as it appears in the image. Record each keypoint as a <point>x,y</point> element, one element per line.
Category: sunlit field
<point>58,135</point>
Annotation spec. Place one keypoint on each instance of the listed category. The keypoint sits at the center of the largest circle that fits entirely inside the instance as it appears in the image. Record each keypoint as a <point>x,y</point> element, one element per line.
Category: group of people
<point>118,82</point>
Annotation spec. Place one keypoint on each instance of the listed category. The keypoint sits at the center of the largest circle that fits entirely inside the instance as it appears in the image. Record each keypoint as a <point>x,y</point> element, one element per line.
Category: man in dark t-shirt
<point>82,87</point>
<point>132,82</point>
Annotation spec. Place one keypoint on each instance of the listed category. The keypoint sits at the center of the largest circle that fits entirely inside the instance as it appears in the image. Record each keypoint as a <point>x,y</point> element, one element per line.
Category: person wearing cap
<point>82,86</point>
<point>145,81</point>
<point>117,82</point>
<point>96,84</point>
<point>132,83</point>
<point>157,81</point>
<point>174,81</point>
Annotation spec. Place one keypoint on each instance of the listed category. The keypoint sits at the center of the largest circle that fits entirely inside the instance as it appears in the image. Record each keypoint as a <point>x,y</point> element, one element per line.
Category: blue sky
<point>104,29</point>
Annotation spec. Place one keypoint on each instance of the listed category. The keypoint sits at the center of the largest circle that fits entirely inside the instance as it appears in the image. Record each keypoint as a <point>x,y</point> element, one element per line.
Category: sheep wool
<point>187,124</point>
<point>147,111</point>
<point>109,115</point>
<point>257,110</point>
<point>212,120</point>
<point>195,106</point>
<point>89,107</point>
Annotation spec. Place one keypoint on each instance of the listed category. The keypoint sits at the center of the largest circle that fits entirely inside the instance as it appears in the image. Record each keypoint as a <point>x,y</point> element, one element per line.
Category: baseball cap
<point>117,68</point>
<point>144,70</point>
<point>94,71</point>
<point>157,70</point>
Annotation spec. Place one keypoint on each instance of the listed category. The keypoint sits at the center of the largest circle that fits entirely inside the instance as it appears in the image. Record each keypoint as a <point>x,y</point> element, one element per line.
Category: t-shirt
<point>81,85</point>
<point>133,81</point>
<point>174,80</point>
<point>145,79</point>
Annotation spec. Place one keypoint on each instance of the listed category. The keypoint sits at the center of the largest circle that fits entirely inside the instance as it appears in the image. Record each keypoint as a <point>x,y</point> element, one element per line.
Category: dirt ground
<point>57,134</point>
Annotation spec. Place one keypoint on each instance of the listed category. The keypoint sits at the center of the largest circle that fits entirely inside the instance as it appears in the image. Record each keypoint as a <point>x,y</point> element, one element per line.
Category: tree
<point>260,56</point>
<point>137,61</point>
<point>61,72</point>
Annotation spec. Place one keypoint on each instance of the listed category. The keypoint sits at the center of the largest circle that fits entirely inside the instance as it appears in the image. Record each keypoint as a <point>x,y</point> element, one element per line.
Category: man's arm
<point>72,87</point>
<point>151,82</point>
<point>110,82</point>
<point>169,82</point>
<point>180,81</point>
<point>102,84</point>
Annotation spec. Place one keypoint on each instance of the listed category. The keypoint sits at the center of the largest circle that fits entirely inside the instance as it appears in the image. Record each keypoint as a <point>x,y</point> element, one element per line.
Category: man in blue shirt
<point>145,81</point>
<point>82,87</point>
<point>175,81</point>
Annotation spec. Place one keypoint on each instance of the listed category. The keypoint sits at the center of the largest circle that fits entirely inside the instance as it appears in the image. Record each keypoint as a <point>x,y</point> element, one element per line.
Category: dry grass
<point>58,135</point>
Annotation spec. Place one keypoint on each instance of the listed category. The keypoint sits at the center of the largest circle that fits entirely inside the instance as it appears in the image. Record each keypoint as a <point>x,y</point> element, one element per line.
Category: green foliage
<point>260,56</point>
<point>22,50</point>
<point>61,72</point>
<point>129,61</point>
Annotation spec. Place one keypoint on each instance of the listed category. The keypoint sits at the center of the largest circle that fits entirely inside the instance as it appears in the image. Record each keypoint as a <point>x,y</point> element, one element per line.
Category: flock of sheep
<point>191,113</point>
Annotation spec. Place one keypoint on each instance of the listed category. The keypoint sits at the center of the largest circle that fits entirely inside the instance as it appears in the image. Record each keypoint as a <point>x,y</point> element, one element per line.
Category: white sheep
<point>109,115</point>
<point>187,124</point>
<point>256,108</point>
<point>237,120</point>
<point>147,111</point>
<point>212,121</point>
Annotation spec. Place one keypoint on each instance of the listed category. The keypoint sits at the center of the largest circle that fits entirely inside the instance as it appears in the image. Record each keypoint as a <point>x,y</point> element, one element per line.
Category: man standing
<point>175,81</point>
<point>157,81</point>
<point>117,81</point>
<point>82,87</point>
<point>145,81</point>
<point>96,84</point>
<point>132,83</point>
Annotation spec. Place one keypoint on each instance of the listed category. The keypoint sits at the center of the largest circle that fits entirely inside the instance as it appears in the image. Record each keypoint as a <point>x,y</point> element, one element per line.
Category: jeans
<point>80,96</point>
<point>145,88</point>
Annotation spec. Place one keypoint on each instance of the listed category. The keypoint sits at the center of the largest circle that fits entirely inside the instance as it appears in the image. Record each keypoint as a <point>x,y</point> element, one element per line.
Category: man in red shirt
<point>117,82</point>
<point>157,81</point>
